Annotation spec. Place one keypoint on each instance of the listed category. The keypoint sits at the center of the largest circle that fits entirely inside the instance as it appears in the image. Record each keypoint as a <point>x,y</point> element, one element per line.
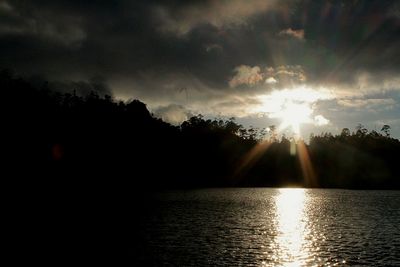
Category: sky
<point>304,66</point>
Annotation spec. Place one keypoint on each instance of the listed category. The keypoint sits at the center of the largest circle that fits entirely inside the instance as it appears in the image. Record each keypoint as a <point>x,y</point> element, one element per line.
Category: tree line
<point>92,141</point>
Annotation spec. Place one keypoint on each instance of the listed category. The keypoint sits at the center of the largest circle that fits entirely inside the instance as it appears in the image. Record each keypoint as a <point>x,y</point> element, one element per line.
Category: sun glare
<point>292,115</point>
<point>294,107</point>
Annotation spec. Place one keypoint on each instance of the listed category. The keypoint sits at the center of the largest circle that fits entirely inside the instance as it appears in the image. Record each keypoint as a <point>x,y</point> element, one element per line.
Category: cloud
<point>246,75</point>
<point>54,27</point>
<point>366,85</point>
<point>183,18</point>
<point>287,74</point>
<point>5,6</point>
<point>174,114</point>
<point>289,32</point>
<point>367,103</point>
<point>214,37</point>
<point>271,80</point>
<point>280,75</point>
<point>150,49</point>
<point>213,47</point>
<point>320,120</point>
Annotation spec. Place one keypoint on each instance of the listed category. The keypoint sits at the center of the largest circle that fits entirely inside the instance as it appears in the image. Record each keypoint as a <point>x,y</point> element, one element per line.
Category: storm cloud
<point>215,57</point>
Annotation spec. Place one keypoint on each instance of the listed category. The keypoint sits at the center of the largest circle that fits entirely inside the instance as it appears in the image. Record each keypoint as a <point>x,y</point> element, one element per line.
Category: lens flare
<point>294,107</point>
<point>292,115</point>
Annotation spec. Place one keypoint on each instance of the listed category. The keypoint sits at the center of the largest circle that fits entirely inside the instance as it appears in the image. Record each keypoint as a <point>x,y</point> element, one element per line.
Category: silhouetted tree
<point>386,130</point>
<point>273,135</point>
<point>92,140</point>
<point>345,132</point>
<point>361,130</point>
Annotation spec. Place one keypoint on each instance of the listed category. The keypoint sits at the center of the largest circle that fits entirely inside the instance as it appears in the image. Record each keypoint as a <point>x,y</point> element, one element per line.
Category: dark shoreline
<point>69,140</point>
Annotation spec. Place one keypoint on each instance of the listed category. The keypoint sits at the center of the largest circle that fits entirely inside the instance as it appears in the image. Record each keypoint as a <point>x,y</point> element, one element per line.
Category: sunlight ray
<point>306,165</point>
<point>251,157</point>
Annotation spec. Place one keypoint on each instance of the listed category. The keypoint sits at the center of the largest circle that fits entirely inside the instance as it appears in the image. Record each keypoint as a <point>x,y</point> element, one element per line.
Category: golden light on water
<point>291,225</point>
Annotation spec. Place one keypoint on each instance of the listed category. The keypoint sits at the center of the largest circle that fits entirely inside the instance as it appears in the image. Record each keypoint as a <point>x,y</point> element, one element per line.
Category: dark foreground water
<point>271,227</point>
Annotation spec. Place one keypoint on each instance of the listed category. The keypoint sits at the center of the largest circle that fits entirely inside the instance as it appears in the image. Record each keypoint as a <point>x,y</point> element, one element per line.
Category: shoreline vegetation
<point>74,139</point>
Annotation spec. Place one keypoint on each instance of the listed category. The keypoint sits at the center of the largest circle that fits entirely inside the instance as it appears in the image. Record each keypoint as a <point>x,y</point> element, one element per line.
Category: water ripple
<point>272,227</point>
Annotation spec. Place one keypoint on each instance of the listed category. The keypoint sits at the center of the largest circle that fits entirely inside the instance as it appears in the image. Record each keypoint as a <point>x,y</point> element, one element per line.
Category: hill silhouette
<point>94,140</point>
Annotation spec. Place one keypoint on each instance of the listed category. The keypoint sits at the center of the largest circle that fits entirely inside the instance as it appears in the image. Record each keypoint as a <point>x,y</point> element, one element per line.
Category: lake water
<point>271,227</point>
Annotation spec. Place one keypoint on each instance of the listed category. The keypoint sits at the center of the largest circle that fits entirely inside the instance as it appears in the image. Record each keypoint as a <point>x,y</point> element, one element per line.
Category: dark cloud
<point>208,39</point>
<point>125,38</point>
<point>152,49</point>
<point>349,35</point>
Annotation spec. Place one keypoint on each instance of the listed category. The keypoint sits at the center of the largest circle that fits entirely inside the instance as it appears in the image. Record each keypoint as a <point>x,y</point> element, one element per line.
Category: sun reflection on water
<point>290,245</point>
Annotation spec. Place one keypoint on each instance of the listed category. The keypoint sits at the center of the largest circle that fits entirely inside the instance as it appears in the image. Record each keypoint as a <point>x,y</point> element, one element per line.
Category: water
<point>271,227</point>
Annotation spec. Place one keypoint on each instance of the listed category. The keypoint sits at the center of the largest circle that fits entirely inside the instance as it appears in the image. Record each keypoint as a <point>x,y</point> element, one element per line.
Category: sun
<point>294,107</point>
<point>294,114</point>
